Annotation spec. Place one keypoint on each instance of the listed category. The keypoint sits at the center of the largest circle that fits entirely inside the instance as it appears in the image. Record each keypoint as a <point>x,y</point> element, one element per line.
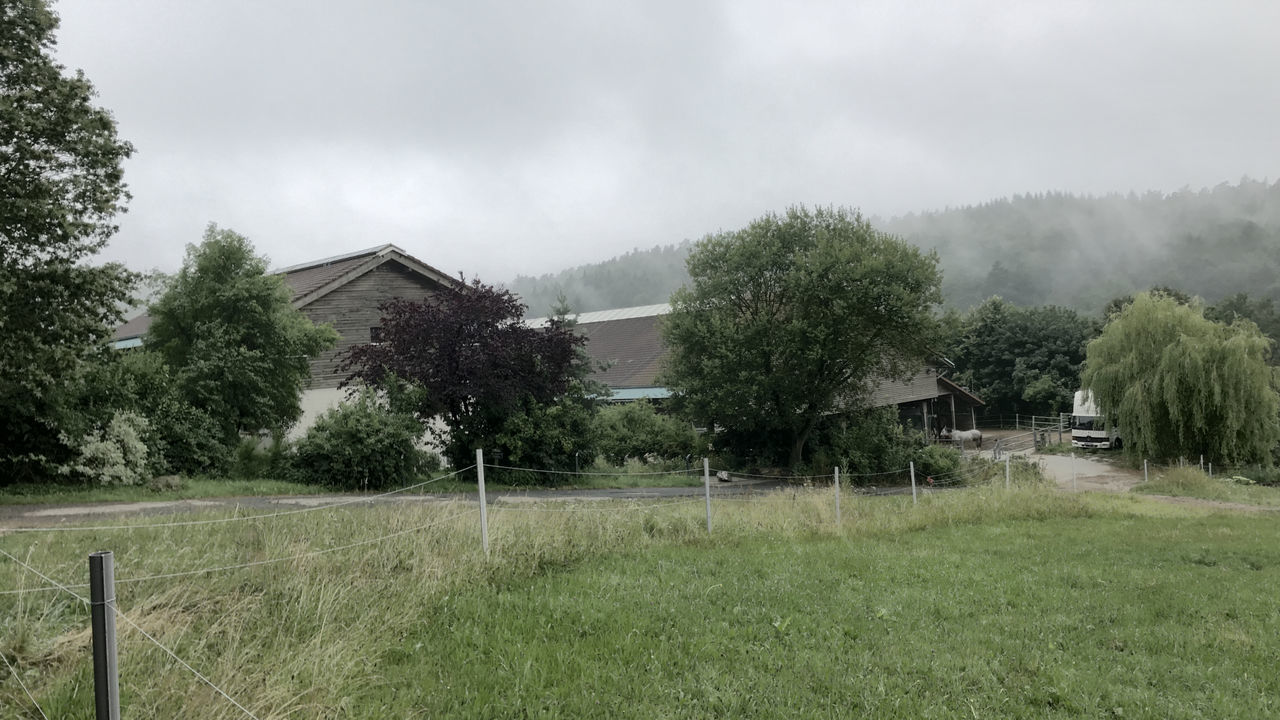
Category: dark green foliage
<point>936,461</point>
<point>61,186</point>
<point>789,319</point>
<point>237,348</point>
<point>466,357</point>
<point>181,438</point>
<point>636,430</point>
<point>1021,360</point>
<point>257,457</point>
<point>359,445</point>
<point>1260,312</point>
<point>871,447</point>
<point>1180,385</point>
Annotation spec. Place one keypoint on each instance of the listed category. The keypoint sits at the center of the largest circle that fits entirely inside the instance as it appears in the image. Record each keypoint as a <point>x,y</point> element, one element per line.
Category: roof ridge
<point>376,250</point>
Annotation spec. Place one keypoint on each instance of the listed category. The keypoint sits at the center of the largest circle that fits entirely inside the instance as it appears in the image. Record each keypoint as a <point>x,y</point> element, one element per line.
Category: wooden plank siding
<point>353,309</point>
<point>922,386</point>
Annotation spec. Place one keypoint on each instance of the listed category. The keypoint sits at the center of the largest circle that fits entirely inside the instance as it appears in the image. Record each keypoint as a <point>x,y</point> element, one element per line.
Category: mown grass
<point>1191,482</point>
<point>986,602</point>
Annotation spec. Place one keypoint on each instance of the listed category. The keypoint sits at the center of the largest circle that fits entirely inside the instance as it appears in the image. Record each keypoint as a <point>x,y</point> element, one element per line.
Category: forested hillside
<point>1050,248</point>
<point>640,277</point>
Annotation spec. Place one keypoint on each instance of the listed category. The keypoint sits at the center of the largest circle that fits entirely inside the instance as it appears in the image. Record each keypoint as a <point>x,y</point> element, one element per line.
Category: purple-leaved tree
<point>466,357</point>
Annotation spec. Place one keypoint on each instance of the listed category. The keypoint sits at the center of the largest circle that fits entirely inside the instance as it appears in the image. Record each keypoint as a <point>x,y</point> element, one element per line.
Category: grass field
<point>184,489</point>
<point>189,488</point>
<point>1191,482</point>
<point>977,603</point>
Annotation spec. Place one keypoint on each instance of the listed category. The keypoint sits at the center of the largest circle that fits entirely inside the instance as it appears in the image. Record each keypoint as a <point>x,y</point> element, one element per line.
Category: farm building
<point>627,341</point>
<point>345,292</point>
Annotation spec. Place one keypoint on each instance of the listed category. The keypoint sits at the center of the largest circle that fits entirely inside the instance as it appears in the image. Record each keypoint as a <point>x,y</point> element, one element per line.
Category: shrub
<point>114,455</point>
<point>187,440</point>
<point>361,445</point>
<point>637,431</point>
<point>937,460</point>
<point>255,460</point>
<point>870,441</point>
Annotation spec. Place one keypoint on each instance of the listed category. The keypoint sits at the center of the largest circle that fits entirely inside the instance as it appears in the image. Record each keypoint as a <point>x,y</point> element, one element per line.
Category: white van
<point>1088,427</point>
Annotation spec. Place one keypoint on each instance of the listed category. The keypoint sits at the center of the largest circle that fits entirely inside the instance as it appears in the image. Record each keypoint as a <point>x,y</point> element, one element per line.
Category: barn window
<point>375,336</point>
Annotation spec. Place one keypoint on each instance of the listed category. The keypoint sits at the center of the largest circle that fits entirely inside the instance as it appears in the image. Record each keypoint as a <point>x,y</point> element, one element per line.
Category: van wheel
<point>1117,443</point>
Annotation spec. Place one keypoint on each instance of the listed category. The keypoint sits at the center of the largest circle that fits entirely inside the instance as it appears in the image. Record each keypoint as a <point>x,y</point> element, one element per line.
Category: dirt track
<point>1083,473</point>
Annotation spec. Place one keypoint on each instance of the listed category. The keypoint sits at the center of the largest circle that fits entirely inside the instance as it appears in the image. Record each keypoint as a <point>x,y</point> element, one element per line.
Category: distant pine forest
<point>1039,249</point>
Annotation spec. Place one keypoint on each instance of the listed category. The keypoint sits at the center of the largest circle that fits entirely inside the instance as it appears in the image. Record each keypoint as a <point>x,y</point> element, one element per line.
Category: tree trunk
<point>797,444</point>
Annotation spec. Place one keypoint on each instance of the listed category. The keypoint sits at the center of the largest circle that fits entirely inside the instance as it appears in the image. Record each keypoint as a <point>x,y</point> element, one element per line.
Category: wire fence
<point>742,488</point>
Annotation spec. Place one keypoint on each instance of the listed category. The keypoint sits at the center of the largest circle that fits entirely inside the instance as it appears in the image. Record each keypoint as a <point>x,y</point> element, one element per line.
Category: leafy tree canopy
<point>1022,360</point>
<point>1180,385</point>
<point>470,361</point>
<point>61,185</point>
<point>238,348</point>
<point>1261,312</point>
<point>789,319</point>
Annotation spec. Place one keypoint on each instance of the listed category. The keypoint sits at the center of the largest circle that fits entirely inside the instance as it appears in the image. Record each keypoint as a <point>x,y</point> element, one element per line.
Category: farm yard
<point>987,602</point>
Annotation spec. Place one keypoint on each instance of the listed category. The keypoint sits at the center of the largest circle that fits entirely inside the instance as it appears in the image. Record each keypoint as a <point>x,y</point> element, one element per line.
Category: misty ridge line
<point>1051,248</point>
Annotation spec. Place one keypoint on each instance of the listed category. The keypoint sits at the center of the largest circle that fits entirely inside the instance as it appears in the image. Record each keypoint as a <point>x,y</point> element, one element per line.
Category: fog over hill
<point>1036,249</point>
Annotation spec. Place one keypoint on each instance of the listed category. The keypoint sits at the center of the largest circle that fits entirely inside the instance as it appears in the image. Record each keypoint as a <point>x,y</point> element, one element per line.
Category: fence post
<point>102,600</point>
<point>1016,425</point>
<point>1073,473</point>
<point>1201,462</point>
<point>1006,472</point>
<point>484,509</point>
<point>1210,469</point>
<point>914,501</point>
<point>1145,477</point>
<point>706,484</point>
<point>837,472</point>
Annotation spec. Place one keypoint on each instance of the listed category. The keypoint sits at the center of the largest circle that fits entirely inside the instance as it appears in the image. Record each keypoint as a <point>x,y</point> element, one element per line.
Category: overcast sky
<point>525,137</point>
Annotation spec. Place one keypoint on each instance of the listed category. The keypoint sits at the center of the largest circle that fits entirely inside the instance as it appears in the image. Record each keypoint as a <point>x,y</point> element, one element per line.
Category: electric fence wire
<point>752,476</point>
<point>589,474</point>
<point>145,634</point>
<point>254,563</point>
<point>637,504</point>
<point>238,518</point>
<point>23,685</point>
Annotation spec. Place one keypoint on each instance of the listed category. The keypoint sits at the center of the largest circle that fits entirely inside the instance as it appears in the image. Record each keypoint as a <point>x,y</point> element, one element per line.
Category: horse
<point>962,436</point>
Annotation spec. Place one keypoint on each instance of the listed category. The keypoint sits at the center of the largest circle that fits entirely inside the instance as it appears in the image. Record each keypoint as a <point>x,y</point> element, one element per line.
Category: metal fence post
<point>706,484</point>
<point>1006,472</point>
<point>1145,477</point>
<point>102,601</point>
<point>914,501</point>
<point>484,508</point>
<point>837,472</point>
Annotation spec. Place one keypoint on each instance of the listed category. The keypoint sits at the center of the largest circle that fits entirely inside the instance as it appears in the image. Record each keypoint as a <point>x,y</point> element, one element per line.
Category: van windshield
<point>1084,422</point>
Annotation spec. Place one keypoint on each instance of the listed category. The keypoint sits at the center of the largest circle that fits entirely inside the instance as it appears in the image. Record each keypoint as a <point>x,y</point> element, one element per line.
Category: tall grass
<point>1191,482</point>
<point>330,634</point>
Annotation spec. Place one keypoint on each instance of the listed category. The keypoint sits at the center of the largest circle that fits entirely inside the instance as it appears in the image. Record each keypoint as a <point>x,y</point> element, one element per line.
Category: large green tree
<point>1022,359</point>
<point>61,186</point>
<point>236,346</point>
<point>791,318</point>
<point>1261,312</point>
<point>1180,385</point>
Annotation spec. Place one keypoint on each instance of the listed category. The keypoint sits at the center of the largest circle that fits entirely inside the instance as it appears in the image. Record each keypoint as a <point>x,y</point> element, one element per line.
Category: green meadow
<point>983,602</point>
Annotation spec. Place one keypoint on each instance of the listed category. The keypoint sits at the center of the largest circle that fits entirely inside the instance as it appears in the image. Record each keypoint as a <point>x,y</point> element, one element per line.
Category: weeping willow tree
<point>1180,385</point>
